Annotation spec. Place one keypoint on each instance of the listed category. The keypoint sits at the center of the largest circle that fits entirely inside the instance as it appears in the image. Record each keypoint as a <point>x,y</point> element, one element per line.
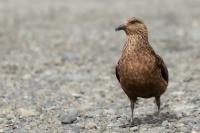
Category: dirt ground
<point>57,62</point>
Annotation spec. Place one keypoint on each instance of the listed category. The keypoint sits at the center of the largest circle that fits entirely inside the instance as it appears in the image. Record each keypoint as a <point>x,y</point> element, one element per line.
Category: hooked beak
<point>121,27</point>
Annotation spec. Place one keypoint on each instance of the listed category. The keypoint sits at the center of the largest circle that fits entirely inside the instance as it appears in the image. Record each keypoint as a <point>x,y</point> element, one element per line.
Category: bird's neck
<point>136,40</point>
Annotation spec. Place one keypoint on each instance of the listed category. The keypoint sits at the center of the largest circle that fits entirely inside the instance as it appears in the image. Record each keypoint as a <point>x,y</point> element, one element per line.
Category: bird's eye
<point>133,22</point>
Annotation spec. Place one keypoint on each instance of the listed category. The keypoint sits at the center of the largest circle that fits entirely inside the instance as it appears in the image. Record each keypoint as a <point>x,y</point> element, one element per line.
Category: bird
<point>140,71</point>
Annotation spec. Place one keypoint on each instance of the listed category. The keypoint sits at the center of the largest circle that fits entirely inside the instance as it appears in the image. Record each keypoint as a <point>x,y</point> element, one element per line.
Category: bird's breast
<point>136,68</point>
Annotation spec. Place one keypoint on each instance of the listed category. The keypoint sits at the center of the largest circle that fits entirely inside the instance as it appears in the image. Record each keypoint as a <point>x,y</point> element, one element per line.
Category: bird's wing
<point>116,73</point>
<point>162,66</point>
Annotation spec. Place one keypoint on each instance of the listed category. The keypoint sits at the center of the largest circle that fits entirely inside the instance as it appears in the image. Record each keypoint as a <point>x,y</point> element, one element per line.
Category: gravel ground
<point>57,63</point>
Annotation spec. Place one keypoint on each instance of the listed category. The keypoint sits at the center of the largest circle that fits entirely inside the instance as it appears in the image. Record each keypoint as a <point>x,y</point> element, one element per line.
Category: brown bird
<point>140,71</point>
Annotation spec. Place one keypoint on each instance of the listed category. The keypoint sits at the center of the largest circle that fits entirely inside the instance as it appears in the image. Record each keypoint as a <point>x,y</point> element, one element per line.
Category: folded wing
<point>162,66</point>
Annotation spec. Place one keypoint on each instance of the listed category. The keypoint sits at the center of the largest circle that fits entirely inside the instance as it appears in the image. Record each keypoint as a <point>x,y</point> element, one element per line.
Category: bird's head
<point>133,26</point>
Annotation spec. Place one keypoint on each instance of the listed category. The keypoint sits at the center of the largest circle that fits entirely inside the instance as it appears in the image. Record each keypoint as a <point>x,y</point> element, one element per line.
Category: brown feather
<point>164,70</point>
<point>116,73</point>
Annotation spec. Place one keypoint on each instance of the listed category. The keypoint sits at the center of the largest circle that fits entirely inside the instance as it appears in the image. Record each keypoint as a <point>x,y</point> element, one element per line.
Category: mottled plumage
<point>140,71</point>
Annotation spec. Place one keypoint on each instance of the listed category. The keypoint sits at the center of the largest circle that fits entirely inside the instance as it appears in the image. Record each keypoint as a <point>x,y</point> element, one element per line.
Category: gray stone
<point>27,112</point>
<point>2,120</point>
<point>91,125</point>
<point>165,123</point>
<point>70,56</point>
<point>69,116</point>
<point>135,128</point>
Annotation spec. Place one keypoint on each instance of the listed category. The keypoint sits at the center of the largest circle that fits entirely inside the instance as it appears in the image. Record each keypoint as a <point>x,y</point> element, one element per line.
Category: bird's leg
<point>132,103</point>
<point>157,101</point>
<point>132,109</point>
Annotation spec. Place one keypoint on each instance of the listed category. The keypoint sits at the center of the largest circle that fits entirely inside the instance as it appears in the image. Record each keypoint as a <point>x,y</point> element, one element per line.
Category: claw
<point>132,124</point>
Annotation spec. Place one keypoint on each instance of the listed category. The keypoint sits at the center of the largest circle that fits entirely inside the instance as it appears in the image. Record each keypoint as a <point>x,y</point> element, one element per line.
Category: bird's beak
<point>121,27</point>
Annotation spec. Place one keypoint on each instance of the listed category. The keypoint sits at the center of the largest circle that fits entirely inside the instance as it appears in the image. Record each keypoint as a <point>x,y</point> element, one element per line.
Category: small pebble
<point>165,123</point>
<point>1,131</point>
<point>134,128</point>
<point>69,117</point>
<point>27,112</point>
<point>90,125</point>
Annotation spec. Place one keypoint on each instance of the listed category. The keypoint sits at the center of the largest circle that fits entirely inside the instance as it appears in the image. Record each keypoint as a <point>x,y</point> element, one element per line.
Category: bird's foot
<point>158,114</point>
<point>131,124</point>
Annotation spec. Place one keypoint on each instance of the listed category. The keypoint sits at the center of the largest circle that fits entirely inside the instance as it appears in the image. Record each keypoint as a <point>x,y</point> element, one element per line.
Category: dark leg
<point>132,109</point>
<point>157,100</point>
<point>132,103</point>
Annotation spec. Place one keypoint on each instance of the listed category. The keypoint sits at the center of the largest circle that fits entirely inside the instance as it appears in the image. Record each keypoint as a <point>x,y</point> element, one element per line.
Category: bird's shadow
<point>156,120</point>
<point>153,119</point>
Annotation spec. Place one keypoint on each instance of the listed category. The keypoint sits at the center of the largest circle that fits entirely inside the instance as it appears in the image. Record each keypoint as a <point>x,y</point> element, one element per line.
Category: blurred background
<point>57,62</point>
